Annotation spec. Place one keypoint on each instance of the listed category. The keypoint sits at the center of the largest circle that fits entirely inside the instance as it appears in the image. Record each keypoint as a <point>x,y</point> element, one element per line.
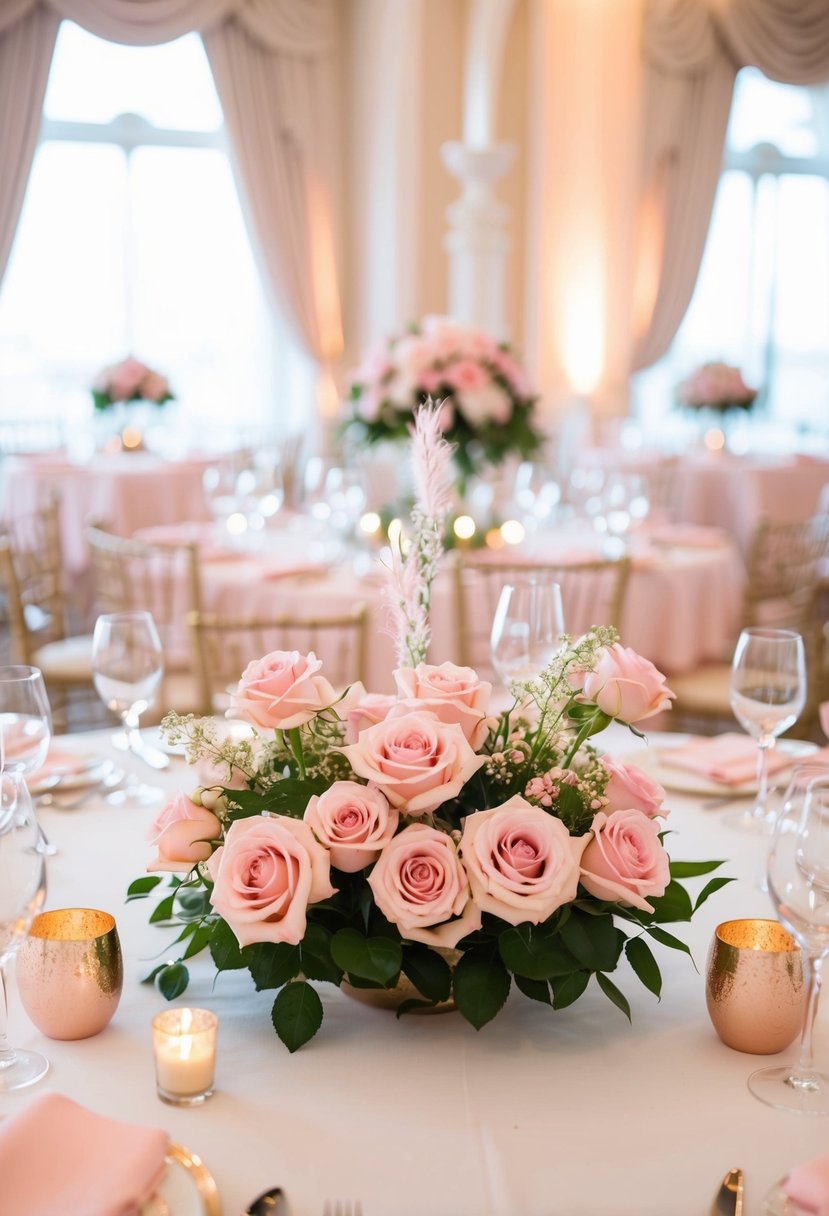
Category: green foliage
<point>378,959</point>
<point>481,986</point>
<point>296,1014</point>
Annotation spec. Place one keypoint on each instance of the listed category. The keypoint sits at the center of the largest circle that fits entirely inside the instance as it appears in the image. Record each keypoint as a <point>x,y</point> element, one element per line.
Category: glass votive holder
<point>754,986</point>
<point>184,1047</point>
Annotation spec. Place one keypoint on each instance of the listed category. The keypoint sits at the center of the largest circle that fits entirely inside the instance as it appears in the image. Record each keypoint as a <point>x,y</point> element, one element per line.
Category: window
<point>762,297</point>
<point>131,240</point>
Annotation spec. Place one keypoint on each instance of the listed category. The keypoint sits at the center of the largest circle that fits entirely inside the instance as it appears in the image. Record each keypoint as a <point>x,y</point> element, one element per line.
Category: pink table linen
<point>125,492</point>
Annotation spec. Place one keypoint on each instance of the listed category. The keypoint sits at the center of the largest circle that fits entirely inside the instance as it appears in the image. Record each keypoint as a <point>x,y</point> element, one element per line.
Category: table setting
<point>436,950</point>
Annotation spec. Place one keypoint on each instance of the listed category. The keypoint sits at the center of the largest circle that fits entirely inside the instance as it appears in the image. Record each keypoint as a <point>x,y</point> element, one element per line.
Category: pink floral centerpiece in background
<point>716,386</point>
<point>488,404</point>
<point>423,837</point>
<point>129,380</point>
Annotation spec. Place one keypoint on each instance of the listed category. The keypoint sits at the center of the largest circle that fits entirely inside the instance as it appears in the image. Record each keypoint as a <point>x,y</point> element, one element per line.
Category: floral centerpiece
<point>716,386</point>
<point>129,380</point>
<point>368,839</point>
<point>488,405</point>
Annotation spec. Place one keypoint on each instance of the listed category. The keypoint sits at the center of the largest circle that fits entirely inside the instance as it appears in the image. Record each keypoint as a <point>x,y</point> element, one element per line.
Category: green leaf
<point>715,884</point>
<point>692,869</point>
<point>199,941</point>
<point>224,948</point>
<point>316,962</point>
<point>674,905</point>
<point>529,952</point>
<point>148,979</point>
<point>193,904</point>
<point>296,1014</point>
<point>568,988</point>
<point>536,990</point>
<point>141,887</point>
<point>371,958</point>
<point>272,964</point>
<point>480,987</point>
<point>173,980</point>
<point>667,939</point>
<point>594,941</point>
<point>163,909</point>
<point>613,994</point>
<point>640,957</point>
<point>289,796</point>
<point>430,974</point>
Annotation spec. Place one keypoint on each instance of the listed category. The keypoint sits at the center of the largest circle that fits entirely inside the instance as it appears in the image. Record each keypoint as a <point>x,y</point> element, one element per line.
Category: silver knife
<point>729,1201</point>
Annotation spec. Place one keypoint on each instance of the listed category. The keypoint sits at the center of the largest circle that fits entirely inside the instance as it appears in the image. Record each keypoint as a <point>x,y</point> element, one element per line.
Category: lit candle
<point>184,1044</point>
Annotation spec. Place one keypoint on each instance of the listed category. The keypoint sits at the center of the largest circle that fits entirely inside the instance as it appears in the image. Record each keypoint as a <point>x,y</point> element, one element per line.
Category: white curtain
<point>271,61</point>
<point>693,51</point>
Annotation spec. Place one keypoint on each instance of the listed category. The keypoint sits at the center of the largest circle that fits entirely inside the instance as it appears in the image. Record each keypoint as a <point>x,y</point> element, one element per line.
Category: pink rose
<point>354,821</point>
<point>417,761</point>
<point>368,711</point>
<point>453,694</point>
<point>629,786</point>
<point>419,884</point>
<point>522,863</point>
<point>624,860</point>
<point>626,686</point>
<point>268,871</point>
<point>125,378</point>
<point>486,404</point>
<point>467,376</point>
<point>281,691</point>
<point>181,834</point>
<point>154,387</point>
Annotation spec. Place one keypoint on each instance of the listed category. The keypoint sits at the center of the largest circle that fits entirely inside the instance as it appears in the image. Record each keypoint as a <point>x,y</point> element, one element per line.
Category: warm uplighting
<point>513,531</point>
<point>370,523</point>
<point>494,539</point>
<point>131,438</point>
<point>464,527</point>
<point>714,439</point>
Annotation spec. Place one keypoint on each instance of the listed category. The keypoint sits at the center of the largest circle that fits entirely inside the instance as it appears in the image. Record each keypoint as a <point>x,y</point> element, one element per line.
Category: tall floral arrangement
<point>129,380</point>
<point>488,409</point>
<point>370,839</point>
<point>716,386</point>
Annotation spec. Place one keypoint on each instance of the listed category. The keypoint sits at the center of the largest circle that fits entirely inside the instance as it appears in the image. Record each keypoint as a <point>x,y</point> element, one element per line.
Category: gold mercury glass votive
<point>70,972</point>
<point>755,988</point>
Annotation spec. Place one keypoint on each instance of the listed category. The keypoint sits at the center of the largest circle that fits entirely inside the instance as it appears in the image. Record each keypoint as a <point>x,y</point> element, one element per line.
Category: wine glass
<point>22,893</point>
<point>768,692</point>
<point>798,883</point>
<point>25,725</point>
<point>127,666</point>
<point>526,628</point>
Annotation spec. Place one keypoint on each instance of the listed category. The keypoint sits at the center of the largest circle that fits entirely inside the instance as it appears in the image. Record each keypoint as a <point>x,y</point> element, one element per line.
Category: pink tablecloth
<point>682,606</point>
<point>125,492</point>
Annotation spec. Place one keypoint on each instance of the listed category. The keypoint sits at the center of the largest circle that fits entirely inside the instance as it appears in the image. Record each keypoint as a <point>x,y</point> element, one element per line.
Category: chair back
<point>592,593</point>
<point>31,570</point>
<point>224,646</point>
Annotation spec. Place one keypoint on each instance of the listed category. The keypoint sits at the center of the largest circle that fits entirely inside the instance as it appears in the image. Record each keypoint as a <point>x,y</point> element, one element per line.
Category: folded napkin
<point>808,1185</point>
<point>64,764</point>
<point>729,759</point>
<point>57,1158</point>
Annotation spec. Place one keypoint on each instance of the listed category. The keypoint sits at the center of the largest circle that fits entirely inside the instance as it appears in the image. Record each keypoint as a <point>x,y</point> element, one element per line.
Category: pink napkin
<point>57,1157</point>
<point>729,759</point>
<point>808,1185</point>
<point>64,764</point>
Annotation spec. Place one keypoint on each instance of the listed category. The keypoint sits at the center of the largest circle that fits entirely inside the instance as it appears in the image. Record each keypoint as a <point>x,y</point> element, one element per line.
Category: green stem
<point>295,740</point>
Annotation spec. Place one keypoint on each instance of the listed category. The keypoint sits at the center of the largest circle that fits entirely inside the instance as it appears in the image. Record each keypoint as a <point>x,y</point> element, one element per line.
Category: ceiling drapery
<point>693,51</point>
<point>272,66</point>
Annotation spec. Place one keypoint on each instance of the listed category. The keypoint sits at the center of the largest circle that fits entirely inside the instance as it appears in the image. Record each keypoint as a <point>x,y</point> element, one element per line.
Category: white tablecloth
<point>575,1113</point>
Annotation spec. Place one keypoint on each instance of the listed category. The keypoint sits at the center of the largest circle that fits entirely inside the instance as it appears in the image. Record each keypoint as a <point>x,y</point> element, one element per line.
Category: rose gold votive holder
<point>184,1046</point>
<point>754,988</point>
<point>70,972</point>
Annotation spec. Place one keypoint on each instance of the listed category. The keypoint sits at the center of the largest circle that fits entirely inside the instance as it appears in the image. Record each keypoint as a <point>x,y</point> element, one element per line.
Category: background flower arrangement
<point>129,380</point>
<point>716,386</point>
<point>359,837</point>
<point>487,402</point>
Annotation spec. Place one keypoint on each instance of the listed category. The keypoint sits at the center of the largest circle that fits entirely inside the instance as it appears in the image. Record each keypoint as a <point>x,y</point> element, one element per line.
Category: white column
<point>478,240</point>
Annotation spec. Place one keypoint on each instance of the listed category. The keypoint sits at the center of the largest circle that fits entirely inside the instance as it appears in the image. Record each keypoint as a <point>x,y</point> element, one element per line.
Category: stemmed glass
<point>798,883</point>
<point>25,725</point>
<point>768,692</point>
<point>127,666</point>
<point>22,893</point>
<point>527,628</point>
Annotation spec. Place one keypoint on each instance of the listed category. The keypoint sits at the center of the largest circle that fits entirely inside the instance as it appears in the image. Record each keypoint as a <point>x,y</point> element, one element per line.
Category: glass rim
<point>126,615</point>
<point>20,671</point>
<point>768,633</point>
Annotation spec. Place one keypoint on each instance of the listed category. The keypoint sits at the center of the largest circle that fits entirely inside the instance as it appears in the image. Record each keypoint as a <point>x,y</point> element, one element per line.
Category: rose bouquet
<point>129,380</point>
<point>487,402</point>
<point>365,839</point>
<point>716,386</point>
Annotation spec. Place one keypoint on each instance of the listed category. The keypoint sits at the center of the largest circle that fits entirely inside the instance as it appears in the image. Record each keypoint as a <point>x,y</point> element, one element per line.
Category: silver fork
<point>337,1207</point>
